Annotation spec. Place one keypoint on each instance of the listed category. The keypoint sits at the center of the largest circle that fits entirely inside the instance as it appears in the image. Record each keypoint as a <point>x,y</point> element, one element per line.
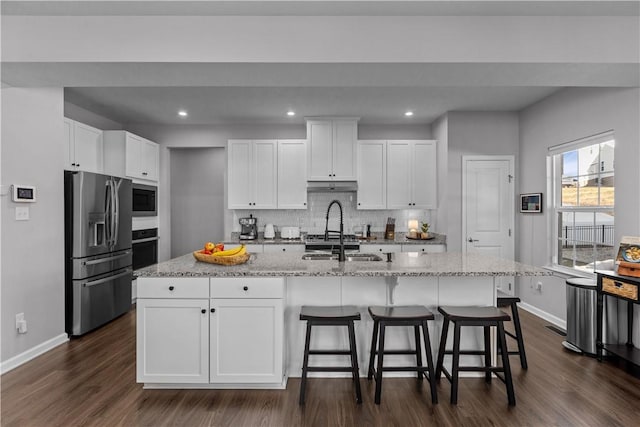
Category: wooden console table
<point>611,284</point>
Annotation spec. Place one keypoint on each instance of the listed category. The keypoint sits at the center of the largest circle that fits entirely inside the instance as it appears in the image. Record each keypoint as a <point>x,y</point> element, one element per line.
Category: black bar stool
<point>413,315</point>
<point>474,316</point>
<point>330,316</point>
<point>509,301</point>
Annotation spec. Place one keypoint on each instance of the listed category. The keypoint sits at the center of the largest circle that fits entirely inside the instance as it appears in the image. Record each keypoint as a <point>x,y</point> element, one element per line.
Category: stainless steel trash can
<point>581,316</point>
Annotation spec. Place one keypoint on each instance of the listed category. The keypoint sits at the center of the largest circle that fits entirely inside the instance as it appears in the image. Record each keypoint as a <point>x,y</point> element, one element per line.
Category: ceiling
<point>146,92</point>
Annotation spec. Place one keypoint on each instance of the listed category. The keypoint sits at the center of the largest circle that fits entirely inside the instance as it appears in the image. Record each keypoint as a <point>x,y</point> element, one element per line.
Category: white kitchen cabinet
<point>331,154</point>
<point>275,248</point>
<point>172,325</point>
<point>247,329</point>
<point>126,154</point>
<point>292,174</point>
<point>83,148</point>
<point>411,174</point>
<point>372,175</point>
<point>424,248</point>
<point>252,174</point>
<point>367,248</point>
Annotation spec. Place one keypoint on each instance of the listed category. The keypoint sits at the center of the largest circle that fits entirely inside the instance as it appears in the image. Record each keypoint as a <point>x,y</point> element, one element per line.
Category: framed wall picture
<point>531,203</point>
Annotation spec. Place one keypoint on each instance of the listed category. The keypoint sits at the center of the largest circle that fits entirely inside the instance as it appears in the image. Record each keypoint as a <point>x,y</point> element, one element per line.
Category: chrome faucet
<point>341,256</point>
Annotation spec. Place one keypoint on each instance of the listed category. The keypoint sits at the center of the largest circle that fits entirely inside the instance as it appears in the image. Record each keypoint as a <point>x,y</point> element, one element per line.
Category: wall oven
<point>145,200</point>
<point>145,247</point>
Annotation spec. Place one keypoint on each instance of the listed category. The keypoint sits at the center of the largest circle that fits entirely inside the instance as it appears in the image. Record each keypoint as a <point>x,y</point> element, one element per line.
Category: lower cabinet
<point>217,331</point>
<point>172,340</point>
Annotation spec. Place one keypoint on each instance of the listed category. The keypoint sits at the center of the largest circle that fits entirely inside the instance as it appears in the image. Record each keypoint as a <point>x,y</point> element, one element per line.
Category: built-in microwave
<point>145,200</point>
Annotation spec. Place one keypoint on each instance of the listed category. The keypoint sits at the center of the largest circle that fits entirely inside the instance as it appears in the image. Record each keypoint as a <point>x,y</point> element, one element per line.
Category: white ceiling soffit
<point>322,8</point>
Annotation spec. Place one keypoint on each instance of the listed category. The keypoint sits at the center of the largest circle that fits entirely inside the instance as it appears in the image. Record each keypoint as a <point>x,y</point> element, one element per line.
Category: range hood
<point>325,186</point>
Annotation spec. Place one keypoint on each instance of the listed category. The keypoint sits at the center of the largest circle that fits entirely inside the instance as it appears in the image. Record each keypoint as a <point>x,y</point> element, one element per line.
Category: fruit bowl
<point>222,260</point>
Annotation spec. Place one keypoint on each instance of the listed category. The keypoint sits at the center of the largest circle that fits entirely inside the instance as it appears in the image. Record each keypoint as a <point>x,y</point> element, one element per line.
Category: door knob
<point>470,240</point>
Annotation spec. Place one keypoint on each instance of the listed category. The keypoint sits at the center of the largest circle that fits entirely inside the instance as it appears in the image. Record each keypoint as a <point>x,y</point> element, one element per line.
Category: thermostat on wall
<point>23,193</point>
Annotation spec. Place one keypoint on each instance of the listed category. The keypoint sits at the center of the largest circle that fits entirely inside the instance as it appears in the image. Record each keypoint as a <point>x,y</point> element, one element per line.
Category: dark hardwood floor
<point>90,381</point>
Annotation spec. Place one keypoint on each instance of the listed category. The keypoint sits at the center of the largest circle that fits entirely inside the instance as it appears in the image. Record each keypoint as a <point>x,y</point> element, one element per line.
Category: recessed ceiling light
<point>182,113</point>
<point>408,113</point>
<point>291,113</point>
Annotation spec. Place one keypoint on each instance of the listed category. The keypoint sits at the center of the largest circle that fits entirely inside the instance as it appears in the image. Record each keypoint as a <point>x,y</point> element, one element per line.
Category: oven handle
<point>148,239</point>
<point>111,258</point>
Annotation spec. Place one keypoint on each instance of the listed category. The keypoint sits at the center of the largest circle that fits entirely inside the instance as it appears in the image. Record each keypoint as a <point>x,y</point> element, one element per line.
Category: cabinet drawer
<point>283,248</point>
<point>424,248</point>
<point>247,287</point>
<point>620,288</point>
<point>368,249</point>
<point>173,287</point>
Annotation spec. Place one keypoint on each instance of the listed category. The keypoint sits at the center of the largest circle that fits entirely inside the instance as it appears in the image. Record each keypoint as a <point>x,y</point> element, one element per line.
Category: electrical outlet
<point>539,286</point>
<point>22,213</point>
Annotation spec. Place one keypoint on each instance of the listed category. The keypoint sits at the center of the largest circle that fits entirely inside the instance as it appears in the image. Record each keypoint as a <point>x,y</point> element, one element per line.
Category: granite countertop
<point>377,239</point>
<point>291,264</point>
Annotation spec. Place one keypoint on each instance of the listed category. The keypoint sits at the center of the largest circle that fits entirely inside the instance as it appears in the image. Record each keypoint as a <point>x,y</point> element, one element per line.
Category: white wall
<point>90,118</point>
<point>441,134</point>
<point>566,116</point>
<point>473,133</point>
<point>32,251</point>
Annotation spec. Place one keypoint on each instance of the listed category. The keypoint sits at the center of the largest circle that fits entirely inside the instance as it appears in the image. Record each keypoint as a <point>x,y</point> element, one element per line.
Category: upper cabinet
<point>292,174</point>
<point>372,175</point>
<point>411,174</point>
<point>252,174</point>
<point>126,154</point>
<point>331,152</point>
<point>83,148</point>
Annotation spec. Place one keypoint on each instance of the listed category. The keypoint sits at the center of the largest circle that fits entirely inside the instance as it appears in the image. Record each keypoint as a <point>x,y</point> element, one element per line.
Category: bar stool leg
<point>416,334</point>
<point>455,364</point>
<point>372,354</point>
<point>441,349</point>
<point>380,361</point>
<point>354,362</point>
<point>502,342</point>
<point>487,353</point>
<point>520,338</point>
<point>427,351</point>
<point>305,363</point>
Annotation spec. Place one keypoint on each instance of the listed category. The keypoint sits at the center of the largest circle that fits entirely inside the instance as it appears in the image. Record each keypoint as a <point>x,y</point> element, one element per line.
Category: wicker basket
<point>222,260</point>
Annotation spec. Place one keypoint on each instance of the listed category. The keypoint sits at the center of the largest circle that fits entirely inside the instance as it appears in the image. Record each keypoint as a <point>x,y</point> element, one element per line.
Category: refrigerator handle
<point>106,279</point>
<point>107,213</point>
<point>116,216</point>
<point>111,258</point>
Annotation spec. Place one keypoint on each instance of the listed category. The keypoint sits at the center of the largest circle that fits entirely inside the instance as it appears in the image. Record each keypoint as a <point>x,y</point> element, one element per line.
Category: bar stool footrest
<point>329,369</point>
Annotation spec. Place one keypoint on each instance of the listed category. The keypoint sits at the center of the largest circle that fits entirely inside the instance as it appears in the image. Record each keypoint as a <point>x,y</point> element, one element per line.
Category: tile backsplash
<point>312,220</point>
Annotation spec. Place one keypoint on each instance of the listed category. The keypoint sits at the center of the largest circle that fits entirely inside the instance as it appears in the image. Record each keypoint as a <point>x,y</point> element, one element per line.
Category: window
<point>583,198</point>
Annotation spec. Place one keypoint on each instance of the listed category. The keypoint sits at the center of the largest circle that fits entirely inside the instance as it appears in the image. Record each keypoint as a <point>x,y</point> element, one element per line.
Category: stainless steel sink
<point>334,257</point>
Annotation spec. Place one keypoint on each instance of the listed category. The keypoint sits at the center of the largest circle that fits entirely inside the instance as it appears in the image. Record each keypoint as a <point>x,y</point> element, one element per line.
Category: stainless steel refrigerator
<point>98,253</point>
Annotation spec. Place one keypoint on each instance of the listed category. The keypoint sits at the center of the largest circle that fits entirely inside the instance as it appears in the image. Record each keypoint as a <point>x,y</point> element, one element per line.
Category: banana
<point>231,252</point>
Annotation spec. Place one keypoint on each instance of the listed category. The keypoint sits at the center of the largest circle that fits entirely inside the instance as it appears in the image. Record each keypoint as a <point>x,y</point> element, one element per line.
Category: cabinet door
<point>344,150</point>
<point>88,147</point>
<point>399,175</point>
<point>372,175</point>
<point>172,340</point>
<point>150,154</point>
<point>265,176</point>
<point>292,174</point>
<point>239,173</point>
<point>424,175</point>
<point>246,341</point>
<point>69,152</point>
<point>319,154</point>
<point>133,156</point>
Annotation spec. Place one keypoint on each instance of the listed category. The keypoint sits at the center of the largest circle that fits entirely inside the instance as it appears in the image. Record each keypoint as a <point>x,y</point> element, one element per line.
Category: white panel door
<point>172,340</point>
<point>320,154</point>
<point>424,175</point>
<point>292,174</point>
<point>398,174</point>
<point>372,175</point>
<point>246,340</point>
<point>265,177</point>
<point>239,173</point>
<point>344,150</point>
<point>488,209</point>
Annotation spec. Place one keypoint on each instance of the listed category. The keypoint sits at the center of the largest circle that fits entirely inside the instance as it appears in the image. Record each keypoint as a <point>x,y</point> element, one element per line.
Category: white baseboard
<point>32,353</point>
<point>562,324</point>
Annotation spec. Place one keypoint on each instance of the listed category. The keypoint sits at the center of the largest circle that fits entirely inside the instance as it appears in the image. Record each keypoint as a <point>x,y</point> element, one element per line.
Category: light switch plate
<point>22,213</point>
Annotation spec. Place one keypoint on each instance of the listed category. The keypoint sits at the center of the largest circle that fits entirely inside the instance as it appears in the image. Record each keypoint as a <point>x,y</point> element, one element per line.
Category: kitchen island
<point>210,326</point>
